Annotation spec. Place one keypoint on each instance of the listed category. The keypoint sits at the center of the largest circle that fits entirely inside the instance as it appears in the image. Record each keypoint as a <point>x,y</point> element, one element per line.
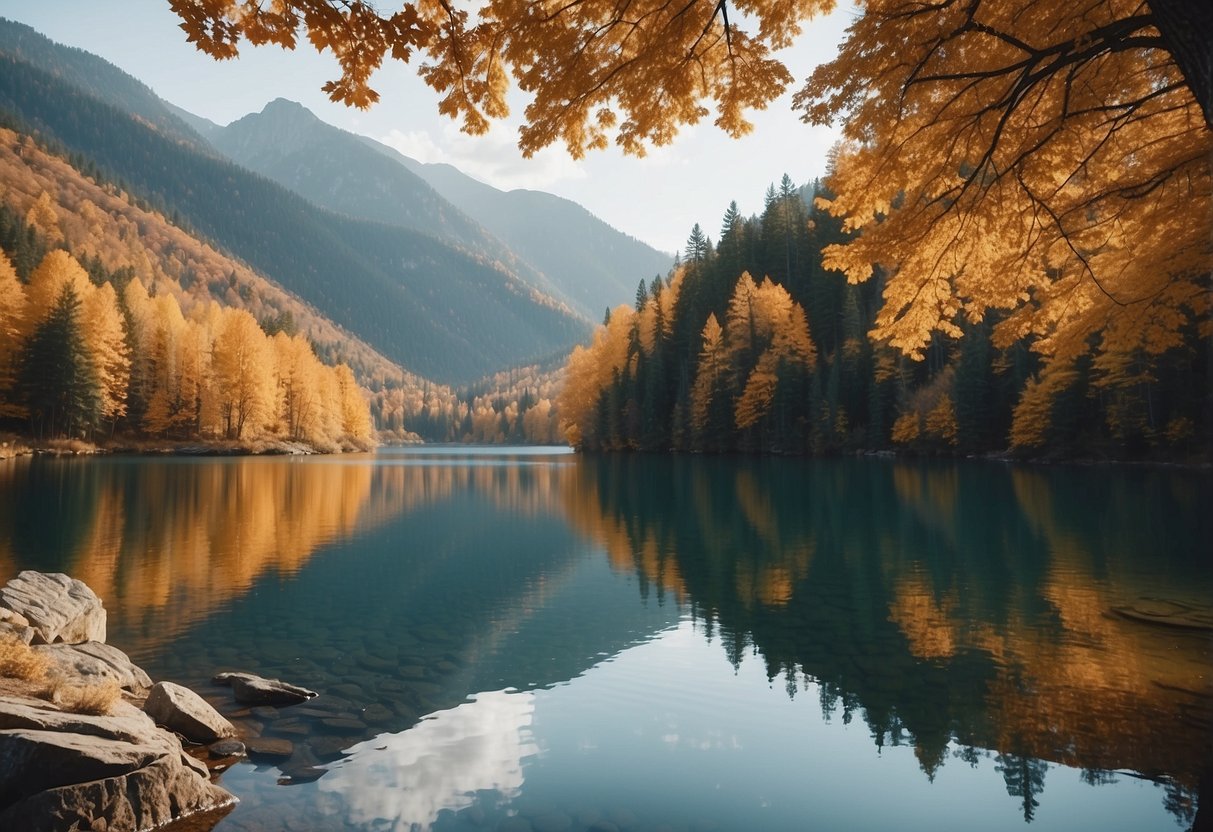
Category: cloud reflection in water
<point>407,778</point>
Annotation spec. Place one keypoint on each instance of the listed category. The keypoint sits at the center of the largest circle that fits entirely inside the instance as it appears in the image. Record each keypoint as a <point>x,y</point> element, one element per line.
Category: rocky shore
<point>87,742</point>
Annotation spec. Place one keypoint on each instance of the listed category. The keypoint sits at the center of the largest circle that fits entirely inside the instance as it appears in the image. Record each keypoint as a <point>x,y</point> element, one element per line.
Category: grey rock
<point>57,607</point>
<point>255,690</point>
<point>328,747</point>
<point>22,634</point>
<point>226,748</point>
<point>125,722</point>
<point>180,709</point>
<point>91,662</point>
<point>265,713</point>
<point>118,772</point>
<point>16,625</point>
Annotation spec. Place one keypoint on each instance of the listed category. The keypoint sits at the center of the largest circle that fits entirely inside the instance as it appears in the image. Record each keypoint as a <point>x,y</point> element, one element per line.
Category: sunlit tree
<point>243,375</point>
<point>105,339</point>
<point>13,329</point>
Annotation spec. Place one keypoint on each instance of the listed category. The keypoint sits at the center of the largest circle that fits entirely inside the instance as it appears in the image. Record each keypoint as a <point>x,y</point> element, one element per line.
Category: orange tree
<point>1048,159</point>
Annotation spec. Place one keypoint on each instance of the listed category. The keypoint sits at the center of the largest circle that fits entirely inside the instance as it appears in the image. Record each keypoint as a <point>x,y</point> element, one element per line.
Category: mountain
<point>445,313</point>
<point>594,265</point>
<point>336,170</point>
<point>98,78</point>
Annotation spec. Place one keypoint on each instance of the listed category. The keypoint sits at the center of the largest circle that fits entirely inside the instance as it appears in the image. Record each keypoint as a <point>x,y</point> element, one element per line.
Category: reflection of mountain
<point>964,603</point>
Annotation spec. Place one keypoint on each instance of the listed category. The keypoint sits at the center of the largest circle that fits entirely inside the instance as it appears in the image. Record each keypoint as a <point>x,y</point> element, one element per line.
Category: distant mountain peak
<point>285,107</point>
<point>285,125</point>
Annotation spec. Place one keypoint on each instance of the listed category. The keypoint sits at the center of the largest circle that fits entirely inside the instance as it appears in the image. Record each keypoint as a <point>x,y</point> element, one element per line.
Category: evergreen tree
<point>57,374</point>
<point>698,245</point>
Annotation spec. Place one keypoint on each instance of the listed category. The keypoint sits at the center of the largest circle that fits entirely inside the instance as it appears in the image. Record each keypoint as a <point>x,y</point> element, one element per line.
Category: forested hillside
<point>438,311</point>
<point>115,323</point>
<point>752,345</point>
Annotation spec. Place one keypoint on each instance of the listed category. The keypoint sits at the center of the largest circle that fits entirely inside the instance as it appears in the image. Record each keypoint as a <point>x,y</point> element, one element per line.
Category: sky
<point>656,199</point>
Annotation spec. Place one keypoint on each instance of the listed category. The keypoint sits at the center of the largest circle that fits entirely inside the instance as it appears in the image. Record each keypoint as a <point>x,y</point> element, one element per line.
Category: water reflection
<point>167,544</point>
<point>975,614</point>
<point>943,602</point>
<point>468,756</point>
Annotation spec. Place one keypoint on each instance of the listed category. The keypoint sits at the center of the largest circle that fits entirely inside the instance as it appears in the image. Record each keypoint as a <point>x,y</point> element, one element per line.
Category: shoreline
<point>13,446</point>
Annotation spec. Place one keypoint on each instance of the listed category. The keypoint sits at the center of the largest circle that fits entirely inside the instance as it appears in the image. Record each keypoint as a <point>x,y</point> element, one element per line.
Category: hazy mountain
<point>336,170</point>
<point>96,77</point>
<point>202,126</point>
<point>593,264</point>
<point>439,311</point>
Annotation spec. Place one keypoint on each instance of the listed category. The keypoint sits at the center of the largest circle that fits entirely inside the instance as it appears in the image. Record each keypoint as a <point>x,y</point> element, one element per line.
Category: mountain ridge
<point>531,221</point>
<point>437,311</point>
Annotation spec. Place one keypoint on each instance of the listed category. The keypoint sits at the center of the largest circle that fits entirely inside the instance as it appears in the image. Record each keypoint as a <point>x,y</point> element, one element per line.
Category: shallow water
<point>524,639</point>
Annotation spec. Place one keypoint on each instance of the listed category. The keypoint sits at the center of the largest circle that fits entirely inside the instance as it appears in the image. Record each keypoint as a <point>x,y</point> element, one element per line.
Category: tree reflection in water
<point>943,602</point>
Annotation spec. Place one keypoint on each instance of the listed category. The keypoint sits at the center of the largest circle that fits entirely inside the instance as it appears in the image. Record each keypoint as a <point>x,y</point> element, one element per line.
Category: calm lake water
<point>528,640</point>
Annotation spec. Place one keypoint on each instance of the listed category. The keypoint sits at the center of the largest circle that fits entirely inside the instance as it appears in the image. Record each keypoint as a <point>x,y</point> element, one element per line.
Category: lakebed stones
<point>255,690</point>
<point>180,709</point>
<point>57,607</point>
<point>268,748</point>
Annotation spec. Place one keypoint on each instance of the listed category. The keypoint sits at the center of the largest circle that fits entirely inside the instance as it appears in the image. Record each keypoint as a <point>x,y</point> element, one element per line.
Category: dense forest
<point>751,344</point>
<point>89,352</point>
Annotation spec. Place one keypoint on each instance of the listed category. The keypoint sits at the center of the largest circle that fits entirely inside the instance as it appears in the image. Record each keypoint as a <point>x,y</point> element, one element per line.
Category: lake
<point>524,639</point>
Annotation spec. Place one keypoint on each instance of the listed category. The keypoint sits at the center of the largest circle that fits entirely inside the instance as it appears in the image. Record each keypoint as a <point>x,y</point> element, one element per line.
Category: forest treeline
<point>751,344</point>
<point>89,353</point>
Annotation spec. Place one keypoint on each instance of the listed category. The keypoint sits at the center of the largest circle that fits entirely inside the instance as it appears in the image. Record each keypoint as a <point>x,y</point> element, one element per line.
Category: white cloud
<point>493,158</point>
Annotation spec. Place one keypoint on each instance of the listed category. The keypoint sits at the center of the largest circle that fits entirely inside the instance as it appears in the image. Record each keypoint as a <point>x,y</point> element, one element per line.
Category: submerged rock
<point>180,709</point>
<point>56,607</point>
<point>254,690</point>
<point>269,747</point>
<point>226,748</point>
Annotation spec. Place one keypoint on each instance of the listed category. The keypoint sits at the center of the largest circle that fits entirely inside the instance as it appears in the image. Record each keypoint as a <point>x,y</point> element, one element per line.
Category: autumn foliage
<point>91,360</point>
<point>1036,173</point>
<point>712,359</point>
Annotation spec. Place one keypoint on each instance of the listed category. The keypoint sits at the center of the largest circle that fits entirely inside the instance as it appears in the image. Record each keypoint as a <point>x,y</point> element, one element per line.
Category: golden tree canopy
<point>1048,159</point>
<point>639,69</point>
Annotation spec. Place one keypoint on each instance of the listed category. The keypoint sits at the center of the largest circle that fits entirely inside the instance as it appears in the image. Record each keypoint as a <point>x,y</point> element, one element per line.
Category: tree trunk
<point>1187,30</point>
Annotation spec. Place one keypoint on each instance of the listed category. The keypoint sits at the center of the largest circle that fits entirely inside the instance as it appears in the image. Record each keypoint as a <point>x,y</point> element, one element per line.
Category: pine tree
<point>57,374</point>
<point>698,245</point>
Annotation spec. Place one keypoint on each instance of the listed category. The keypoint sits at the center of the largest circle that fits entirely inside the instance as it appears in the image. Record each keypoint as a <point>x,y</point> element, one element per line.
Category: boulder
<point>124,722</point>
<point>227,748</point>
<point>73,771</point>
<point>180,709</point>
<point>254,690</point>
<point>57,607</point>
<point>93,662</point>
